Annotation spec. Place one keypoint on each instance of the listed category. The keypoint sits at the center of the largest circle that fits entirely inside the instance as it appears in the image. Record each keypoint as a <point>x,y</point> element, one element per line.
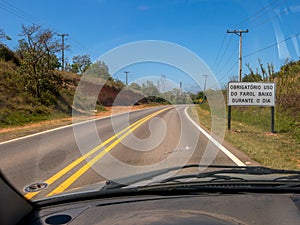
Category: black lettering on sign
<point>247,93</point>
<point>268,87</point>
<point>264,93</point>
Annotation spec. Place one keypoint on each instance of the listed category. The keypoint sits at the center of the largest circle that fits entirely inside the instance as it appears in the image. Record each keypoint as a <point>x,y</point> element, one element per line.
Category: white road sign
<point>251,93</point>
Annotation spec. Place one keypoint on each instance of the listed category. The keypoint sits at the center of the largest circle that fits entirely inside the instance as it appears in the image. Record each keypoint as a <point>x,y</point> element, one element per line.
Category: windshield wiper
<point>216,175</point>
<point>251,170</point>
<point>290,180</point>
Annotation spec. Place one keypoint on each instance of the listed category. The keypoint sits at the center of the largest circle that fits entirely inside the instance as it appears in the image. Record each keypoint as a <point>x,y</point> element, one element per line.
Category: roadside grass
<point>30,116</point>
<point>19,118</point>
<point>251,134</point>
<point>57,119</point>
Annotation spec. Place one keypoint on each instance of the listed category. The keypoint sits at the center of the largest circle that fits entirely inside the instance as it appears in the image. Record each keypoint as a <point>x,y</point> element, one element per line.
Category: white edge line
<point>235,159</point>
<point>70,125</point>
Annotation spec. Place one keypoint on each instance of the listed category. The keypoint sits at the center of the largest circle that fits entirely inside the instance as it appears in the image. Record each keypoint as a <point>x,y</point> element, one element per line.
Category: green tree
<point>37,51</point>
<point>176,96</point>
<point>98,69</point>
<point>150,89</point>
<point>7,55</point>
<point>135,86</point>
<point>81,63</point>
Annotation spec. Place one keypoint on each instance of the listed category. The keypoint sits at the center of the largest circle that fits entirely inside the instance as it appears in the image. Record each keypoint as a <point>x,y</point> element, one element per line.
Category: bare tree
<point>263,70</point>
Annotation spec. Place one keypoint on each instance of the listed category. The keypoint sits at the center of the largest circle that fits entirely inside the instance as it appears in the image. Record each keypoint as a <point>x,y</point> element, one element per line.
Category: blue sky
<point>97,26</point>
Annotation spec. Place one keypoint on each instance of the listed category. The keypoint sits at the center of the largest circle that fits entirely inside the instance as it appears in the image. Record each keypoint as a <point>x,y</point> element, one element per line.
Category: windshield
<point>99,92</point>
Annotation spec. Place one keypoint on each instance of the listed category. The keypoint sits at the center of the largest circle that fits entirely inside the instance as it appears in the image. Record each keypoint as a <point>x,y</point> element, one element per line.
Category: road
<point>109,148</point>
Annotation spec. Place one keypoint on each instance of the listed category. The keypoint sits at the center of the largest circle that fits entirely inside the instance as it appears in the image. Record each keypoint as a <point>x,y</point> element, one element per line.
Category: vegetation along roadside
<point>250,131</point>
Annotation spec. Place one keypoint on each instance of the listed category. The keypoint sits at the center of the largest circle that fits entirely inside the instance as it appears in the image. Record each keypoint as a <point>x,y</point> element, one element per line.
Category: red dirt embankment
<point>109,95</point>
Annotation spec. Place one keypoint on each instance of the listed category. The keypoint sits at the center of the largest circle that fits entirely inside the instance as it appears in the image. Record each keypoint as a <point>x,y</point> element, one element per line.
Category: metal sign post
<point>229,117</point>
<point>272,119</point>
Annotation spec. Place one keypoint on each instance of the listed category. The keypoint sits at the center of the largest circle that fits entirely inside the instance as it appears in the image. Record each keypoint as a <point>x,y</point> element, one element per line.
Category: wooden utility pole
<point>240,34</point>
<point>204,89</point>
<point>63,50</point>
<point>126,72</point>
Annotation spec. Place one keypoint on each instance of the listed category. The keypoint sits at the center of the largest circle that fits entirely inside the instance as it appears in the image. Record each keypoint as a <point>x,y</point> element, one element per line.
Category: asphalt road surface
<point>109,148</point>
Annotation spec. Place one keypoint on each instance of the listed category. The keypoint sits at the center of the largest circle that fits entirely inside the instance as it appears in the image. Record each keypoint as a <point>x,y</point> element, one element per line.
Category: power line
<point>253,53</point>
<point>253,17</point>
<point>228,60</point>
<point>34,20</point>
<point>261,12</point>
<point>226,48</point>
<point>269,18</point>
<point>77,44</point>
<point>229,70</point>
<point>272,45</point>
<point>18,12</point>
<point>219,51</point>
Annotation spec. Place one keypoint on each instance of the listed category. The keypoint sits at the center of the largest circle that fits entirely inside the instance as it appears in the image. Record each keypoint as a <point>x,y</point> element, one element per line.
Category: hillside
<point>18,106</point>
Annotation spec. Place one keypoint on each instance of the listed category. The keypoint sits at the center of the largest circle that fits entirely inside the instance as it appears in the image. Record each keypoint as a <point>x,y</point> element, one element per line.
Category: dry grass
<point>279,150</point>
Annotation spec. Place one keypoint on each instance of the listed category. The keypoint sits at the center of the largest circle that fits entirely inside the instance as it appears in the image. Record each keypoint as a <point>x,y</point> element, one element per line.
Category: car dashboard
<point>197,208</point>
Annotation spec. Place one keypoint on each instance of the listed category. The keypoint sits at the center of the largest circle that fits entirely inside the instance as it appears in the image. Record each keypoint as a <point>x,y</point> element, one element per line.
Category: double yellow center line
<point>119,137</point>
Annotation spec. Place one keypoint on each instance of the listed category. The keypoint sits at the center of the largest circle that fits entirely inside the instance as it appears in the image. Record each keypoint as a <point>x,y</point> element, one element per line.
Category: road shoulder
<point>237,156</point>
<point>32,128</point>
